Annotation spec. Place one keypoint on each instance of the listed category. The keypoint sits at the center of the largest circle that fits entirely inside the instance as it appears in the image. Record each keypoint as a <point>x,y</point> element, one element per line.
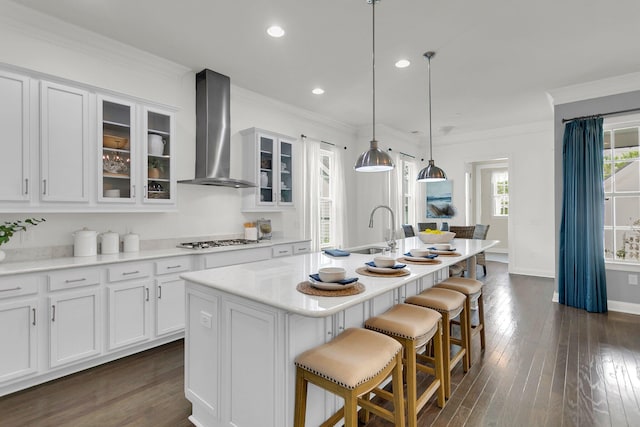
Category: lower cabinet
<point>169,309</point>
<point>18,333</point>
<point>128,313</point>
<point>74,326</point>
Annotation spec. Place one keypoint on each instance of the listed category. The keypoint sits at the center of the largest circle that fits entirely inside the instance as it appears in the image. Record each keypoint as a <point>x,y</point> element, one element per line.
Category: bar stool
<point>354,363</point>
<point>413,327</point>
<point>450,304</point>
<point>472,289</point>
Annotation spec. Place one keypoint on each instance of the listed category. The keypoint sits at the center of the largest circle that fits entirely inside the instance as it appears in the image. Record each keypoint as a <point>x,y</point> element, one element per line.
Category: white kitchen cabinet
<point>18,334</point>
<point>64,143</point>
<point>169,309</point>
<point>74,326</point>
<point>159,180</point>
<point>14,122</point>
<point>269,161</point>
<point>128,308</point>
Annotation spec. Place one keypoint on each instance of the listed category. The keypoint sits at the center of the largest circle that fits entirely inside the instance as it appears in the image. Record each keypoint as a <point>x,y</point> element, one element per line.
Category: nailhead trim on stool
<point>414,326</point>
<point>472,288</point>
<point>450,304</point>
<point>354,363</point>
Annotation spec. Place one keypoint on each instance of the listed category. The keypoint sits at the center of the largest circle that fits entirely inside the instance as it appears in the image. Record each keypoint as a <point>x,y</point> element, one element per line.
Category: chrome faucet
<point>392,243</point>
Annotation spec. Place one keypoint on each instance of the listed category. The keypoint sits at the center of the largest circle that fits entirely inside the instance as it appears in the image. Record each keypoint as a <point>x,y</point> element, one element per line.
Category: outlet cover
<point>633,279</point>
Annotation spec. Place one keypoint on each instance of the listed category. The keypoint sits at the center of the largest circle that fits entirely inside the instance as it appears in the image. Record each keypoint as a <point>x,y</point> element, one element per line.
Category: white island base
<point>246,324</point>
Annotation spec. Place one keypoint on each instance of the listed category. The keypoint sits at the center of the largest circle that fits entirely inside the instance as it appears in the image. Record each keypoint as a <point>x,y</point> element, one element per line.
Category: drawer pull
<point>34,316</point>
<point>282,252</point>
<point>75,280</point>
<point>173,266</point>
<point>302,249</point>
<point>53,313</point>
<point>129,273</point>
<point>17,288</point>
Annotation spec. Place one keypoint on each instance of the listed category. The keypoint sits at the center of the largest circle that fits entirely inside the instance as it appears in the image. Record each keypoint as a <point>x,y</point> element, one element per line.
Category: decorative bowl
<point>332,274</point>
<point>440,237</point>
<point>116,142</point>
<point>384,261</point>
<point>442,246</point>
<point>419,252</point>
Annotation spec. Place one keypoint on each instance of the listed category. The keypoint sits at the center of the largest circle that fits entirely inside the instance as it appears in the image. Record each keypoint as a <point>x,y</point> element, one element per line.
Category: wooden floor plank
<point>544,364</point>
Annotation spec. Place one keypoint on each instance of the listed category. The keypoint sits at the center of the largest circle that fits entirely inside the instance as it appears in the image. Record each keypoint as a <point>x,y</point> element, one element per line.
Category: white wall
<point>40,43</point>
<point>530,154</point>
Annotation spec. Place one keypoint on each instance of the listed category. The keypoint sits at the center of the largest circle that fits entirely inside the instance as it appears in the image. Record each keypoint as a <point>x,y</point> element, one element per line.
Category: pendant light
<point>431,173</point>
<point>374,159</point>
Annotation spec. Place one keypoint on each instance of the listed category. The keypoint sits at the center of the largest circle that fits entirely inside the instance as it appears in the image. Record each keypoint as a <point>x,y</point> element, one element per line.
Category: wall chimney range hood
<point>213,132</point>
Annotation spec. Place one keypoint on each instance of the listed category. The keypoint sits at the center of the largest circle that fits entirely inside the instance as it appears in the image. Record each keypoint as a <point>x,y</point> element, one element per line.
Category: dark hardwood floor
<point>544,365</point>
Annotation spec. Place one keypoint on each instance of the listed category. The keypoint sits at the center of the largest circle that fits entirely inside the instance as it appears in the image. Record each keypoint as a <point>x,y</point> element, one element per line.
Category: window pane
<point>608,244</point>
<point>631,241</point>
<point>627,176</point>
<point>627,210</point>
<point>608,211</point>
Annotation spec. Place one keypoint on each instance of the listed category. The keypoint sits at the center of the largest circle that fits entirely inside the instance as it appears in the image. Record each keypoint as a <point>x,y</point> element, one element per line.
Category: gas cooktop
<point>215,243</point>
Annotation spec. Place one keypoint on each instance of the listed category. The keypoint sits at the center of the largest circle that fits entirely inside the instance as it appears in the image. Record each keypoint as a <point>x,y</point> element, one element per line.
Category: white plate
<point>384,270</point>
<point>330,286</point>
<point>417,258</point>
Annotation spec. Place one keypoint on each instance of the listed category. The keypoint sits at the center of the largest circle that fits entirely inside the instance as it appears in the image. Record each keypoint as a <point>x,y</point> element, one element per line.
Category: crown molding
<point>595,89</point>
<point>45,28</point>
<point>503,132</point>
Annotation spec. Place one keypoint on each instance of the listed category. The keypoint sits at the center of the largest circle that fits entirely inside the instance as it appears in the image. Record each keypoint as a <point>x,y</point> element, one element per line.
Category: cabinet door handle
<point>147,291</point>
<point>128,273</point>
<point>144,194</point>
<point>173,266</point>
<point>133,191</point>
<point>159,292</point>
<point>17,288</point>
<point>75,280</point>
<point>26,186</point>
<point>34,316</point>
<point>44,186</point>
<point>53,313</point>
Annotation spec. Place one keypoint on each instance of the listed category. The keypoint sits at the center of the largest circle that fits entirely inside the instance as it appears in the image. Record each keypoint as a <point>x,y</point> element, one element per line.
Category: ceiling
<point>495,59</point>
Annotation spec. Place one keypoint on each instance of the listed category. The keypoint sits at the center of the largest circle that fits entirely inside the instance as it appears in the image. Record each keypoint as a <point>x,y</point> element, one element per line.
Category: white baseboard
<point>620,306</point>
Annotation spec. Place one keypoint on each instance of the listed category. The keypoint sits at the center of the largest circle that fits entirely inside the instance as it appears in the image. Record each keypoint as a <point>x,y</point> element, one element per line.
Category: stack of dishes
<point>385,265</point>
<point>419,255</point>
<point>332,279</point>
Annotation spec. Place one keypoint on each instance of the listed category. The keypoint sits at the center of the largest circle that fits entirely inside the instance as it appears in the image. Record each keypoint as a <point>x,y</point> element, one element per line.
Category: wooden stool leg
<point>438,361</point>
<point>465,338</point>
<point>350,410</point>
<point>446,353</point>
<point>300,399</point>
<point>398,395</point>
<point>481,319</point>
<point>410,373</point>
<point>467,325</point>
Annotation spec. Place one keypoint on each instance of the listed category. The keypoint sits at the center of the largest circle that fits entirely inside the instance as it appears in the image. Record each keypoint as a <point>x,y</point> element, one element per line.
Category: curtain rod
<point>593,116</point>
<point>404,154</point>
<point>303,136</point>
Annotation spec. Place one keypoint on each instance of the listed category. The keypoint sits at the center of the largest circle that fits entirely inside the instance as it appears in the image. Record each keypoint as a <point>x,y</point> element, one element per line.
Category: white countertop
<point>273,282</point>
<point>7,268</point>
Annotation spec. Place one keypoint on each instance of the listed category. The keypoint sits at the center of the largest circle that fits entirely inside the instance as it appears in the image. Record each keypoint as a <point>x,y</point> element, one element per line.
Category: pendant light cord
<point>429,55</point>
<point>373,60</point>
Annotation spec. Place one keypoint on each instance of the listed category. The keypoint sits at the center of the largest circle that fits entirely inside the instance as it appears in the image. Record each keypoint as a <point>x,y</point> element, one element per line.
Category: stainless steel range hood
<point>213,132</point>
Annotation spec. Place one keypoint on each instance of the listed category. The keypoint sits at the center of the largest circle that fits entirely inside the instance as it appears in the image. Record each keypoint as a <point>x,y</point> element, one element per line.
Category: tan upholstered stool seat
<point>442,300</point>
<point>472,288</point>
<point>450,304</point>
<point>350,359</point>
<point>407,321</point>
<point>414,326</point>
<point>353,364</point>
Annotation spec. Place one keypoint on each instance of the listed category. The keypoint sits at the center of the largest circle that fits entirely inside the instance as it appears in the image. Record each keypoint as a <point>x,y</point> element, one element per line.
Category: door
<point>491,181</point>
<point>64,138</point>
<point>169,306</point>
<point>74,320</point>
<point>128,314</point>
<point>19,352</point>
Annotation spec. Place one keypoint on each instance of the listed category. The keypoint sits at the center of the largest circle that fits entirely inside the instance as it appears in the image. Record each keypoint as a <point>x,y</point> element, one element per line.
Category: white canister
<point>110,242</point>
<point>131,243</point>
<point>85,242</point>
<point>251,233</point>
<point>156,145</point>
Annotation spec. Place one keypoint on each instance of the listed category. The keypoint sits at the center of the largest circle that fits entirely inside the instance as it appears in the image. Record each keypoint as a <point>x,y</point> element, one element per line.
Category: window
<point>408,200</point>
<point>500,193</point>
<point>327,208</point>
<point>621,174</point>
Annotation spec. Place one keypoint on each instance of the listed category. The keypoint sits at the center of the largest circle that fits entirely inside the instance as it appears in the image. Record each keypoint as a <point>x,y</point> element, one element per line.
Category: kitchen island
<point>246,323</point>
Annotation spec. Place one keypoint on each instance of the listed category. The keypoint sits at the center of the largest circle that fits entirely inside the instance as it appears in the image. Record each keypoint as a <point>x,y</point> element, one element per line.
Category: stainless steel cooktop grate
<point>215,243</point>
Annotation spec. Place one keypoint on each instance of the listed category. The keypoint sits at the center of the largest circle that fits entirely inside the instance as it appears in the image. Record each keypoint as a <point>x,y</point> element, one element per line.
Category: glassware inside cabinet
<point>116,150</point>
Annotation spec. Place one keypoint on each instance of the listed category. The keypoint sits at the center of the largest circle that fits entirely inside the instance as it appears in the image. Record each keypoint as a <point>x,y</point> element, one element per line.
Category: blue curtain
<point>581,278</point>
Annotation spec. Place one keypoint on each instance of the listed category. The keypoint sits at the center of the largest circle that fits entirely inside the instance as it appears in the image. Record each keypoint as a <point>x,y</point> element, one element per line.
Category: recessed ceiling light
<point>403,63</point>
<point>275,31</point>
<point>317,91</point>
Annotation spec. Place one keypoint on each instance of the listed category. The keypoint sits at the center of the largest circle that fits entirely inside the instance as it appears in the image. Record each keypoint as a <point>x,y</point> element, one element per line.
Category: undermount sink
<point>369,250</point>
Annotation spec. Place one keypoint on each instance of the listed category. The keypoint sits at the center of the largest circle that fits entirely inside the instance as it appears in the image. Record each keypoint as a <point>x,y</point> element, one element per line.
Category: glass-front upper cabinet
<point>269,161</point>
<point>117,155</point>
<point>159,186</point>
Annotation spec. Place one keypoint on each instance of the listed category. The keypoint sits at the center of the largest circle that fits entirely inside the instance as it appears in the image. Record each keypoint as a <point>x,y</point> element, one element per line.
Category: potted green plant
<point>8,229</point>
<point>155,168</point>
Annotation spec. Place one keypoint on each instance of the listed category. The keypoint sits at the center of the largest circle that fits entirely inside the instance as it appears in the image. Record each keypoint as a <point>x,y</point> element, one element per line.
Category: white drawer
<point>239,256</point>
<point>73,278</point>
<point>14,286</point>
<point>301,248</point>
<point>173,265</point>
<point>281,250</point>
<point>128,271</point>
